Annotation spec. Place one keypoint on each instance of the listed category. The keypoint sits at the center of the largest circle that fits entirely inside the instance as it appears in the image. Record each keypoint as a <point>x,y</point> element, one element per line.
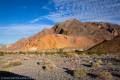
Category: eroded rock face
<point>70,34</point>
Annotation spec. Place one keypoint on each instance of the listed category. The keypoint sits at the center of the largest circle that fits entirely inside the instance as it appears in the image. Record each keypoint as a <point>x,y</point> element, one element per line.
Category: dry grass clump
<point>62,53</point>
<point>48,65</point>
<point>70,55</point>
<point>97,64</point>
<point>110,64</point>
<point>1,53</point>
<point>105,75</point>
<point>80,73</point>
<point>11,64</point>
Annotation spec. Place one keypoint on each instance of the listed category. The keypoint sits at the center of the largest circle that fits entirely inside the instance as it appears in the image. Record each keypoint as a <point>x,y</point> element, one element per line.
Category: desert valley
<point>70,50</point>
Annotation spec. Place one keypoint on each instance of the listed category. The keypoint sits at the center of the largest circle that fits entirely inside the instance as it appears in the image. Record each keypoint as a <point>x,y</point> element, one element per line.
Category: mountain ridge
<point>69,34</point>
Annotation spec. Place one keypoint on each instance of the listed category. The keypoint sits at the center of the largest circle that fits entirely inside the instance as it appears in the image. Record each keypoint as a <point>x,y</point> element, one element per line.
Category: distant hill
<point>70,34</point>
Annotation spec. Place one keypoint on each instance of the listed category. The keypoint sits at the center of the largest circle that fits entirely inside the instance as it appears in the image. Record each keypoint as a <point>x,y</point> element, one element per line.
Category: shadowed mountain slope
<point>111,46</point>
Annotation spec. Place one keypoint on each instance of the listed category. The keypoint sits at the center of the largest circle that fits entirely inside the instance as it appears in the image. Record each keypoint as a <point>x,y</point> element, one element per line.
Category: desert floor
<point>57,67</point>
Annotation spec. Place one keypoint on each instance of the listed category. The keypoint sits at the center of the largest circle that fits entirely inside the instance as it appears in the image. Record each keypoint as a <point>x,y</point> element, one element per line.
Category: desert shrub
<point>2,53</point>
<point>81,52</point>
<point>6,52</point>
<point>96,65</point>
<point>16,63</point>
<point>36,52</point>
<point>21,52</point>
<point>80,73</point>
<point>49,53</point>
<point>89,52</point>
<point>48,65</point>
<point>11,63</point>
<point>33,52</point>
<point>69,55</point>
<point>100,61</point>
<point>98,52</point>
<point>105,75</point>
<point>60,51</point>
<point>110,64</point>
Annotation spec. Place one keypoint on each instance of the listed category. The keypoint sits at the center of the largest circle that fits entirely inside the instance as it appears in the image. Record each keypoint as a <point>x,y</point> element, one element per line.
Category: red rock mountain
<point>69,34</point>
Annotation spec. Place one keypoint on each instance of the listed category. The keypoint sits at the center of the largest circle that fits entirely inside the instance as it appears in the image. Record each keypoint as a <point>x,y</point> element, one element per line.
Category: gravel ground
<point>55,67</point>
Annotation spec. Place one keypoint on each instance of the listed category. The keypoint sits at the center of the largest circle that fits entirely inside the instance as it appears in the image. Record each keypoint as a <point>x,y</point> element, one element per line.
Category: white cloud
<point>21,29</point>
<point>35,20</point>
<point>12,33</point>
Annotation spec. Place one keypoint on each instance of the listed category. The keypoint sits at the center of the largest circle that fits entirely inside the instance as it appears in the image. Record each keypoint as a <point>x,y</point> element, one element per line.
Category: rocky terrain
<point>69,34</point>
<point>61,67</point>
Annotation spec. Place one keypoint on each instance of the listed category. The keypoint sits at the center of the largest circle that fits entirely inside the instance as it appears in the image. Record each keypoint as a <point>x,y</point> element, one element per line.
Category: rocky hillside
<point>111,46</point>
<point>69,34</point>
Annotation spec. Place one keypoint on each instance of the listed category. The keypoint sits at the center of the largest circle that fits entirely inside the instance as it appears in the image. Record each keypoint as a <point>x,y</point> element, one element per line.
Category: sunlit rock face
<point>69,34</point>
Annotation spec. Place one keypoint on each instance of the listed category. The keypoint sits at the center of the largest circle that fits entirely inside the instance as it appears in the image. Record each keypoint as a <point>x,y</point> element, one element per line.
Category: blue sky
<point>23,18</point>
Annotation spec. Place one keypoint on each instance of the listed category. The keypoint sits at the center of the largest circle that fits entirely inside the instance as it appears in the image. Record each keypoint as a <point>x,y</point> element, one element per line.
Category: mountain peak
<point>72,20</point>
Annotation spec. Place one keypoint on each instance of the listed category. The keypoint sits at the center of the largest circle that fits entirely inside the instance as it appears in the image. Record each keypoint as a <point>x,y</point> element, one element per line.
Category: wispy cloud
<point>84,10</point>
<point>35,20</point>
<point>88,9</point>
<point>15,32</point>
<point>22,29</point>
